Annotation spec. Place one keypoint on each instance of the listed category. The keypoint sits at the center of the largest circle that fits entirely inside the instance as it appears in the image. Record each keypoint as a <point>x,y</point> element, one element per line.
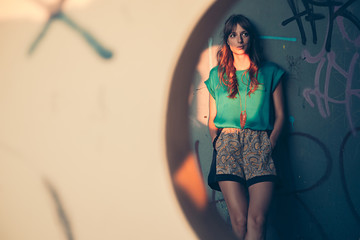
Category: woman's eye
<point>245,34</point>
<point>232,35</point>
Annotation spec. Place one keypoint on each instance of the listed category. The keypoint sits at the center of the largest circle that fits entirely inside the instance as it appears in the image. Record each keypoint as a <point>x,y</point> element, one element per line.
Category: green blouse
<point>259,105</point>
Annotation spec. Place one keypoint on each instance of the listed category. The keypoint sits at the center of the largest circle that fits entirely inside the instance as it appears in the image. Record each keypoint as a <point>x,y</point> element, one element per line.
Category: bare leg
<point>260,195</point>
<point>235,197</point>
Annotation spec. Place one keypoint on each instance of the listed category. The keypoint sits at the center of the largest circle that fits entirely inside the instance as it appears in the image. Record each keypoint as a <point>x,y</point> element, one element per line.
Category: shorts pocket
<point>217,136</point>
<point>268,142</point>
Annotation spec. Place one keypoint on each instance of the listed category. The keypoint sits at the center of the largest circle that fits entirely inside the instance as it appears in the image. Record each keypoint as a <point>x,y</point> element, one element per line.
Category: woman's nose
<point>240,40</point>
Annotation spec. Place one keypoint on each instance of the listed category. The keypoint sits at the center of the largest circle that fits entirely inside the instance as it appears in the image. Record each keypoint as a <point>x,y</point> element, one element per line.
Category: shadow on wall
<point>202,217</point>
<point>313,183</point>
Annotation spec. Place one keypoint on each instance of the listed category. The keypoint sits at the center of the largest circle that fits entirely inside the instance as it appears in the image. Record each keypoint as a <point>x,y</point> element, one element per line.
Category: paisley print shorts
<point>241,155</point>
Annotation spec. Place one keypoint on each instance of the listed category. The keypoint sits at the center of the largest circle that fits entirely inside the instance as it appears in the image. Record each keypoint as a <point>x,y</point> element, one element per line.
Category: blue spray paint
<point>292,120</point>
<point>99,49</point>
<point>278,38</point>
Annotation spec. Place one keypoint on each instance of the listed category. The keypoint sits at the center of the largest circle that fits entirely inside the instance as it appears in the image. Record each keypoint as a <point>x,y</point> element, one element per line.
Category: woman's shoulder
<point>271,68</point>
<point>214,70</point>
<point>214,74</point>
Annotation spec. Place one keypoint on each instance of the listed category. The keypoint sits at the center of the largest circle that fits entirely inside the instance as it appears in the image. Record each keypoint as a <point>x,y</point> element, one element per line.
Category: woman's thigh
<point>235,196</point>
<point>260,195</point>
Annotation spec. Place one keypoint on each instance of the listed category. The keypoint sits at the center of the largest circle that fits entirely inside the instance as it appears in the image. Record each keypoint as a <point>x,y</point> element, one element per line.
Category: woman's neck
<point>241,62</point>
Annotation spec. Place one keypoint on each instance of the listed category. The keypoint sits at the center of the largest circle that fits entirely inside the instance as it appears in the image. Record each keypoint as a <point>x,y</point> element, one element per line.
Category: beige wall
<point>85,133</point>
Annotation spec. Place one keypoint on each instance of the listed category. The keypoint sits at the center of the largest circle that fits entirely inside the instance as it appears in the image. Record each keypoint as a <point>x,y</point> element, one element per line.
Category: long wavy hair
<point>227,71</point>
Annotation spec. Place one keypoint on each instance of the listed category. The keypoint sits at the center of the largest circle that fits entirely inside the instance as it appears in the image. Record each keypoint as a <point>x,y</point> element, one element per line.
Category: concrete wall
<point>318,155</point>
<point>103,131</point>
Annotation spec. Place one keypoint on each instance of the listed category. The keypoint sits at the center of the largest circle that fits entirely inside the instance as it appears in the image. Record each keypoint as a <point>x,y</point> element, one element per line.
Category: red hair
<point>227,71</point>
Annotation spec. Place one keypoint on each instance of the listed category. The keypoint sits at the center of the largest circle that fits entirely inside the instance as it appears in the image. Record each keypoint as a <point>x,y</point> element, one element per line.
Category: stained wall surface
<point>83,98</point>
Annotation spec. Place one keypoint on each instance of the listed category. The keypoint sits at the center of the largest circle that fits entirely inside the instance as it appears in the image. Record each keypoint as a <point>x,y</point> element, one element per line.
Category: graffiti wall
<point>317,43</point>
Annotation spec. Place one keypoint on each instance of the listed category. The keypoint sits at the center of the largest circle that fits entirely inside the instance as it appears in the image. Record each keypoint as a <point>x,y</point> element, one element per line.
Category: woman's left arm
<point>279,114</point>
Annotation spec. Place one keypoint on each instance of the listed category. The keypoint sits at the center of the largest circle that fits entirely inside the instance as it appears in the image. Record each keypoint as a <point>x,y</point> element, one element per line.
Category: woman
<point>245,119</point>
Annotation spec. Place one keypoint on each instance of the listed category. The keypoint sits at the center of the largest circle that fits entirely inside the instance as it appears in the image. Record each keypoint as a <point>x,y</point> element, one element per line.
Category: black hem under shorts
<point>241,155</point>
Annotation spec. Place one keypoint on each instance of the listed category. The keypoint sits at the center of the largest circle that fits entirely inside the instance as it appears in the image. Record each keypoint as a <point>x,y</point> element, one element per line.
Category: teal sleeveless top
<point>259,105</point>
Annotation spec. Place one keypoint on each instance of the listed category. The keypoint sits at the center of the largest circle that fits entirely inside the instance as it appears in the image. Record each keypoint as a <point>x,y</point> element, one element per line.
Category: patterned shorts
<point>241,155</point>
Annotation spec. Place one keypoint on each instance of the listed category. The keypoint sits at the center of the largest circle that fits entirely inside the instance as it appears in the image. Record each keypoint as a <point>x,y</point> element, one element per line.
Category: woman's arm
<point>279,114</point>
<point>212,114</point>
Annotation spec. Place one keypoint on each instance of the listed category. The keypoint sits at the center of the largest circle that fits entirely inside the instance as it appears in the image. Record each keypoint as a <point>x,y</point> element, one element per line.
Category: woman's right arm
<point>212,114</point>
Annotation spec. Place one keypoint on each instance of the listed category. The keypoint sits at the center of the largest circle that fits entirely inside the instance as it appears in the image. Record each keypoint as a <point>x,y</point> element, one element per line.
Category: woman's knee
<point>239,221</point>
<point>256,221</point>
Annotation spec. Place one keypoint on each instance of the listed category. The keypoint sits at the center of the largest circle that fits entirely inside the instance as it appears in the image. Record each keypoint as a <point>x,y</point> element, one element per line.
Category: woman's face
<point>238,40</point>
